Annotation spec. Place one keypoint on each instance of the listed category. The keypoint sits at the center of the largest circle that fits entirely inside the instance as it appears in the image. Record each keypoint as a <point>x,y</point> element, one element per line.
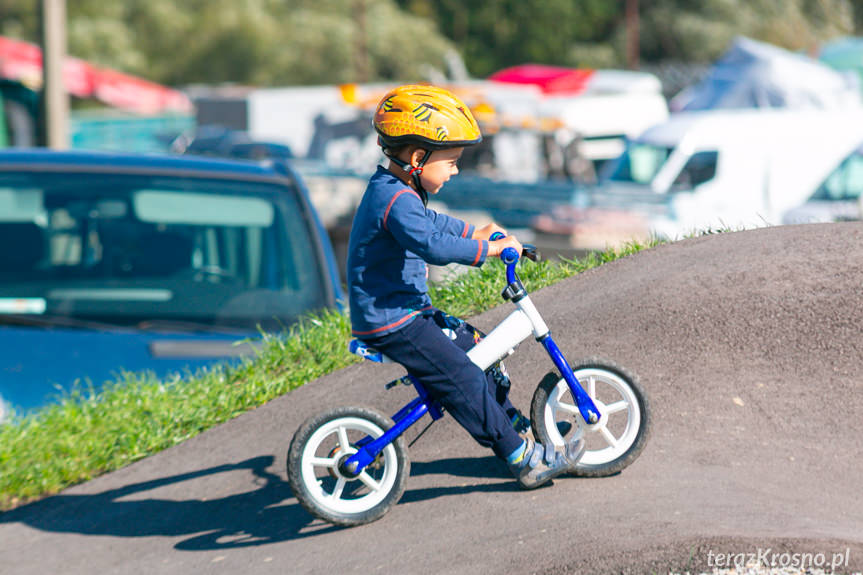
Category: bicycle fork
<point>585,404</point>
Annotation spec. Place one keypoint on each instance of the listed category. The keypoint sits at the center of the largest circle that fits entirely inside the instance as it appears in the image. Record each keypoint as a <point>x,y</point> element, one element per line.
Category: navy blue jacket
<point>392,238</point>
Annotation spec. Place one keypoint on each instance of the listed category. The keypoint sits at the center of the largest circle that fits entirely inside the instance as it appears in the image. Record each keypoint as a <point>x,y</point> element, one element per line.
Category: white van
<point>727,169</point>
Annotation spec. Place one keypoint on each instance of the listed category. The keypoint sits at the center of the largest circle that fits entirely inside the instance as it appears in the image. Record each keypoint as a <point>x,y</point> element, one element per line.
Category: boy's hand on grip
<point>485,232</point>
<point>495,248</point>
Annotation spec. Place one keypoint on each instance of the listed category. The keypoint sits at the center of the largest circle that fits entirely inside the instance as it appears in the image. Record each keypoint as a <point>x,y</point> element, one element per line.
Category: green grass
<point>86,434</point>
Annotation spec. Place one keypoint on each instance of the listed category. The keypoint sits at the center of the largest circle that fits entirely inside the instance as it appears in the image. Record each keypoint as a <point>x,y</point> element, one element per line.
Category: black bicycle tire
<point>301,491</point>
<point>615,466</point>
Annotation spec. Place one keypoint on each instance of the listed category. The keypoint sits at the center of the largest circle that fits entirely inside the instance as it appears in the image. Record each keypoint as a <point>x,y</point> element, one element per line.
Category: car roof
<point>734,126</point>
<point>121,162</point>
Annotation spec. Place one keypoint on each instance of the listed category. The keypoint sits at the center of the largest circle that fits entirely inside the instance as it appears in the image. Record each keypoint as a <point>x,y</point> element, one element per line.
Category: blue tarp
<point>752,74</point>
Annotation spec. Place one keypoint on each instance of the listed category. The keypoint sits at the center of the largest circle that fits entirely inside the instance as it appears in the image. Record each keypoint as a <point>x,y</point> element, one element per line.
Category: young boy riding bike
<point>423,131</point>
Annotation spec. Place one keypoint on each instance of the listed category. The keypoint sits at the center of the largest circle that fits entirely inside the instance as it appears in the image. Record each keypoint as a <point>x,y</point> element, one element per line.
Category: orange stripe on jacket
<point>392,325</point>
<point>478,253</point>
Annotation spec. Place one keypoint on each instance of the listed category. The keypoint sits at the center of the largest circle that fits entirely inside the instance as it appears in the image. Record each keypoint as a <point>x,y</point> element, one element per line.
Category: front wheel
<point>325,441</point>
<point>617,439</point>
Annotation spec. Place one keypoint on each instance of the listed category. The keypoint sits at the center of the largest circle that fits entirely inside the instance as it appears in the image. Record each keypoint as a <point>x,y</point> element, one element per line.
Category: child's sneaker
<point>540,464</point>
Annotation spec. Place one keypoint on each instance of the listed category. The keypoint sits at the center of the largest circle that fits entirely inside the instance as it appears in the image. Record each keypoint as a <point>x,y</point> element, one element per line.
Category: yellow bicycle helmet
<point>426,116</point>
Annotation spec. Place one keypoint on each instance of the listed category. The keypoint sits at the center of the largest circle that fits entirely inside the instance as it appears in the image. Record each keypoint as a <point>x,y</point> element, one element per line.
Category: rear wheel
<point>621,433</point>
<point>322,444</point>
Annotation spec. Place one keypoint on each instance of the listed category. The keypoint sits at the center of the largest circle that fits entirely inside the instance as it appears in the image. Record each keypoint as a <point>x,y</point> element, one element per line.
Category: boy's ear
<point>417,154</point>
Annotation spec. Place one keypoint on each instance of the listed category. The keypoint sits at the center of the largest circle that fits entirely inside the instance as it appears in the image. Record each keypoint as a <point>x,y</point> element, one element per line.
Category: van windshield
<point>638,164</point>
<point>846,181</point>
<point>131,249</point>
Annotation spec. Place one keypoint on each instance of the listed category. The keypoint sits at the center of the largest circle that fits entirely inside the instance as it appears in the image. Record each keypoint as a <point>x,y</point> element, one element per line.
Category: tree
<point>257,42</point>
<point>700,30</point>
<point>493,34</point>
<point>284,42</point>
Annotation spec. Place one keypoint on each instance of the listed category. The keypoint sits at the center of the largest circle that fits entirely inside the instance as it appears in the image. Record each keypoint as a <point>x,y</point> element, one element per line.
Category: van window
<point>638,164</point>
<point>846,181</point>
<point>128,249</point>
<point>700,168</point>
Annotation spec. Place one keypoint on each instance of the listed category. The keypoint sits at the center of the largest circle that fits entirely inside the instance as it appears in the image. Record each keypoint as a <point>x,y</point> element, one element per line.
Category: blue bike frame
<point>406,416</point>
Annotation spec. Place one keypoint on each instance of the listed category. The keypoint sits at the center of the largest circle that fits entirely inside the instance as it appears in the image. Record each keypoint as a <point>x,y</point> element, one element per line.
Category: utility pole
<point>55,100</point>
<point>361,49</point>
<point>632,40</point>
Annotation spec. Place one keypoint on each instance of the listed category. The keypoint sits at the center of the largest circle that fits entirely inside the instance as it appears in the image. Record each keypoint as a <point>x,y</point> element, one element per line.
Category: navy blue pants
<point>478,401</point>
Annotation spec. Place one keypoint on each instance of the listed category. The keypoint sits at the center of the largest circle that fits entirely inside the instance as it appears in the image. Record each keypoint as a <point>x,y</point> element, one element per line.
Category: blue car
<point>113,263</point>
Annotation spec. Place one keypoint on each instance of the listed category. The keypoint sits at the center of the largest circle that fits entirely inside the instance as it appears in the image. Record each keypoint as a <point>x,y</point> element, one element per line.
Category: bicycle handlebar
<point>510,256</point>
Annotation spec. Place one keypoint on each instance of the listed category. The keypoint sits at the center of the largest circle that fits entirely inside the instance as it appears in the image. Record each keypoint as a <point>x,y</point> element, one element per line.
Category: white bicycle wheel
<point>621,433</point>
<point>318,449</point>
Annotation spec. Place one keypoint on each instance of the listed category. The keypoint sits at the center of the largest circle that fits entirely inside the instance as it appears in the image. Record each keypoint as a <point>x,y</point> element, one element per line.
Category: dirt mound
<point>750,345</point>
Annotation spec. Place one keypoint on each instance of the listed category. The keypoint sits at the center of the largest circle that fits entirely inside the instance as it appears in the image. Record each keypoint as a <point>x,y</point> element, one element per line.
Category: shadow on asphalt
<point>247,519</point>
<point>481,467</point>
<point>478,467</point>
<point>240,520</point>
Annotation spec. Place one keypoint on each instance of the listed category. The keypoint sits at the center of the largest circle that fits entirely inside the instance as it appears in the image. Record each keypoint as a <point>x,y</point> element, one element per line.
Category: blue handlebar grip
<point>509,256</point>
<point>496,236</point>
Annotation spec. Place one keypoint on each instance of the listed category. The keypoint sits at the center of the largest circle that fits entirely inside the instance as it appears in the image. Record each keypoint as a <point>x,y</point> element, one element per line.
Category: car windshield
<point>130,250</point>
<point>638,164</point>
<point>846,181</point>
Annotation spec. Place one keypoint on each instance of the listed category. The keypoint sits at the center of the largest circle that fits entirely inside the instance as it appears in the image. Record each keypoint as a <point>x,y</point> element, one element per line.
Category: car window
<point>638,164</point>
<point>846,181</point>
<point>129,249</point>
<point>700,168</point>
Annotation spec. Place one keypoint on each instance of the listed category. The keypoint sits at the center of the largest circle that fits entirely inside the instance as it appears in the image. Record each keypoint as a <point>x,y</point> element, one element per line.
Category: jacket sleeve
<point>450,225</point>
<point>415,229</point>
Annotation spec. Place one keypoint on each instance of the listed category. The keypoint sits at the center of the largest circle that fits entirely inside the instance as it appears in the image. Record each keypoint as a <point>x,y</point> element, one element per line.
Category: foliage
<point>591,33</point>
<point>700,30</point>
<point>492,35</point>
<point>256,42</point>
<point>286,42</point>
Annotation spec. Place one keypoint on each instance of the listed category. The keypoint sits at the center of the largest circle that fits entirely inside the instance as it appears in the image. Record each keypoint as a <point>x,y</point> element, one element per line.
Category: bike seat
<point>361,349</point>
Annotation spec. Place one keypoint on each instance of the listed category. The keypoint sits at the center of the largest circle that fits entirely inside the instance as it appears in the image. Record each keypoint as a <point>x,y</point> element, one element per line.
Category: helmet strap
<point>413,171</point>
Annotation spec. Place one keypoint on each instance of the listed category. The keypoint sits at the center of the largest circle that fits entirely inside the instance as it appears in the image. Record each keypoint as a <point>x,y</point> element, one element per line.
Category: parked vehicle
<point>707,170</point>
<point>719,169</point>
<point>838,198</point>
<point>615,106</point>
<point>222,142</point>
<point>160,263</point>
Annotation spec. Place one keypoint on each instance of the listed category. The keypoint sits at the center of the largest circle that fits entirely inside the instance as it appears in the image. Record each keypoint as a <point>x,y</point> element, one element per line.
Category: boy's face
<point>442,165</point>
